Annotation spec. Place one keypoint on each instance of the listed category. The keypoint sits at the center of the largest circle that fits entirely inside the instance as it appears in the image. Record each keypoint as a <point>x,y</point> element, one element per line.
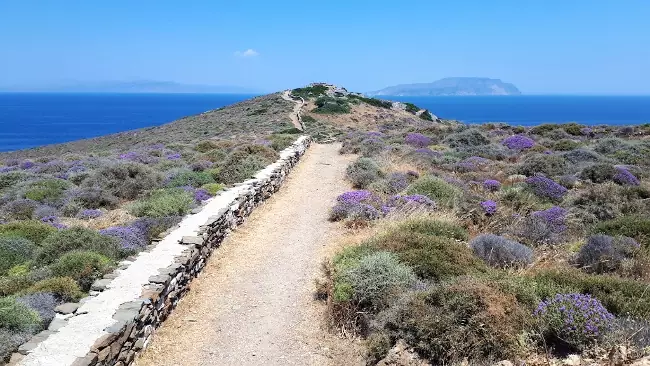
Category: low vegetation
<point>70,212</point>
<point>495,242</point>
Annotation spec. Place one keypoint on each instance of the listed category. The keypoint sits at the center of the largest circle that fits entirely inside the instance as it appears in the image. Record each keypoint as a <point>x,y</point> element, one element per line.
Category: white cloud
<point>248,53</point>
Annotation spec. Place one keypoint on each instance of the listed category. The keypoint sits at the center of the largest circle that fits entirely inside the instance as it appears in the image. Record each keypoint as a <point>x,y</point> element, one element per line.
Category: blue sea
<point>34,119</point>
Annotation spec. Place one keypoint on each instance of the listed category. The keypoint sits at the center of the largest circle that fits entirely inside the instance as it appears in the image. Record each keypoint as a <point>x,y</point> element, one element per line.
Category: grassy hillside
<point>492,242</point>
<point>70,212</point>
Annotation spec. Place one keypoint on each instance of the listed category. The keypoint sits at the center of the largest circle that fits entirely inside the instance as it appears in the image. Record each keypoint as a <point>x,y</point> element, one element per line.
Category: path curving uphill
<point>295,116</point>
<point>253,303</point>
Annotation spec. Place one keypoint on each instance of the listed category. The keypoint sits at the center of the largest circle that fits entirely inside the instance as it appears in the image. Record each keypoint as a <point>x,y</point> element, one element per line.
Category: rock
<point>88,360</point>
<point>645,361</point>
<point>56,324</point>
<point>100,285</point>
<point>618,356</point>
<point>192,240</point>
<point>402,355</point>
<point>504,363</point>
<point>196,210</point>
<point>67,308</point>
<point>572,360</point>
<point>15,358</point>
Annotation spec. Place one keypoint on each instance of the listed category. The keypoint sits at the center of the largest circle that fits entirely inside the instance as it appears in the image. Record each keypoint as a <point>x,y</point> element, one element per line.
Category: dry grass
<point>115,217</point>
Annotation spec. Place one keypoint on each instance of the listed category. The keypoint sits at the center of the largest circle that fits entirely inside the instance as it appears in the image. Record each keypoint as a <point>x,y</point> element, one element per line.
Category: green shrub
<point>16,282</point>
<point>598,173</point>
<point>164,202</point>
<point>549,165</point>
<point>280,142</point>
<point>205,146</point>
<point>125,180</point>
<point>412,108</point>
<point>64,288</point>
<point>34,231</point>
<point>565,145</point>
<point>373,101</point>
<point>14,251</point>
<point>48,191</point>
<point>467,319</point>
<point>441,192</point>
<point>244,162</point>
<point>330,105</point>
<point>363,172</point>
<point>426,115</point>
<point>213,188</point>
<point>83,266</point>
<point>309,91</point>
<point>374,277</point>
<point>432,257</point>
<point>189,178</point>
<point>634,226</point>
<point>610,145</point>
<point>469,137</point>
<point>9,179</point>
<point>16,316</point>
<point>215,156</point>
<point>76,238</point>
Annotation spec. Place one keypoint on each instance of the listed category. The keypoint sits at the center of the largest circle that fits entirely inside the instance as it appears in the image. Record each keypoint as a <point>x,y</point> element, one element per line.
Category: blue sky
<point>542,46</point>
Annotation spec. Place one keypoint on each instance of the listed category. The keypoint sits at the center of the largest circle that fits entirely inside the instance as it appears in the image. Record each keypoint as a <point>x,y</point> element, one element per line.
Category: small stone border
<point>119,318</point>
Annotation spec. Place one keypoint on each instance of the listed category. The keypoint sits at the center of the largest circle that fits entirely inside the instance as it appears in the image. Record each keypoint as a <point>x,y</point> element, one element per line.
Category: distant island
<point>138,86</point>
<point>451,86</point>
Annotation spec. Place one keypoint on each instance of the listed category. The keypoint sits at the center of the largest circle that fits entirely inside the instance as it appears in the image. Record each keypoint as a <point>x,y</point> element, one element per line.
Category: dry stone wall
<point>118,320</point>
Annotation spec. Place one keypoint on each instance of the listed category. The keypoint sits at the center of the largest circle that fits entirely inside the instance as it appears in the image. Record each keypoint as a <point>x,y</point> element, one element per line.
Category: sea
<point>34,119</point>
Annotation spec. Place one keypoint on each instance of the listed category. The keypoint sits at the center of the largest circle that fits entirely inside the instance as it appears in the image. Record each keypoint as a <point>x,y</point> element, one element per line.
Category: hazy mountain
<point>141,86</point>
<point>452,86</point>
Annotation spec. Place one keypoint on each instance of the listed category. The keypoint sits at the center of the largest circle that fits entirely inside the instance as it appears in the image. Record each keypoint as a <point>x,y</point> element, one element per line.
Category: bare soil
<point>254,302</point>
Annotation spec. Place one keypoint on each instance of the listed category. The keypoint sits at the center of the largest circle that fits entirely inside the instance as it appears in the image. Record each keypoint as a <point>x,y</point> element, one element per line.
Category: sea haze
<point>531,110</point>
<point>34,119</point>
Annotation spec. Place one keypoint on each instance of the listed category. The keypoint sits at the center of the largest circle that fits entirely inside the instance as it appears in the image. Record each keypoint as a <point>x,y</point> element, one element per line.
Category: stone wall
<point>132,324</point>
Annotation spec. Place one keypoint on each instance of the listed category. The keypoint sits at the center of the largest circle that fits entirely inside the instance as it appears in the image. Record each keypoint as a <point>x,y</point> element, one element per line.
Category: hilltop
<point>452,86</point>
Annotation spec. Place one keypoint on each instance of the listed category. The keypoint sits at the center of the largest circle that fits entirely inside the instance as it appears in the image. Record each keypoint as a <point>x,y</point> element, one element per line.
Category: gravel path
<point>296,109</point>
<point>253,304</point>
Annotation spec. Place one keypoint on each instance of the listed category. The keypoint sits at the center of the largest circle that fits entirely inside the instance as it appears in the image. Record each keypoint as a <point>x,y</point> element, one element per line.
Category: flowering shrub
<point>426,152</point>
<point>362,172</point>
<point>201,195</point>
<point>138,158</point>
<point>174,156</point>
<point>576,319</point>
<point>518,142</point>
<point>555,218</point>
<point>492,185</point>
<point>489,207</point>
<point>545,187</point>
<point>624,177</point>
<point>201,165</point>
<point>417,140</point>
<point>356,205</point>
<point>27,165</point>
<point>408,203</point>
<point>21,209</point>
<point>53,221</point>
<point>130,238</point>
<point>371,146</point>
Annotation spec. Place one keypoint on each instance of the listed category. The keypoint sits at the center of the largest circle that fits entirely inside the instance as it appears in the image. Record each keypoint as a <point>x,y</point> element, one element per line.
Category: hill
<point>452,86</point>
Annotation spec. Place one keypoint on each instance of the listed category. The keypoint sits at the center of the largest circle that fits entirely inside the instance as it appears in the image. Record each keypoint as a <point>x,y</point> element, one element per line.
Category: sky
<point>541,46</point>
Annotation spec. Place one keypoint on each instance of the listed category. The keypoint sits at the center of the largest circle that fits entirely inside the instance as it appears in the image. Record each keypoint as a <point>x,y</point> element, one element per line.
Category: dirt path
<point>253,304</point>
<point>295,116</point>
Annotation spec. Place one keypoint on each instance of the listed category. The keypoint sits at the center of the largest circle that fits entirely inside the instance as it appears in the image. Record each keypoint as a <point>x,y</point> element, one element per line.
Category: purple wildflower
<point>417,140</point>
<point>397,182</point>
<point>587,131</point>
<point>174,156</point>
<point>412,174</point>
<point>201,195</point>
<point>576,318</point>
<point>130,238</point>
<point>411,201</point>
<point>492,185</point>
<point>6,169</point>
<point>53,221</point>
<point>465,166</point>
<point>518,142</point>
<point>490,207</point>
<point>478,161</point>
<point>362,196</point>
<point>545,187</point>
<point>425,151</point>
<point>27,164</point>
<point>554,217</point>
<point>624,177</point>
<point>375,134</point>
